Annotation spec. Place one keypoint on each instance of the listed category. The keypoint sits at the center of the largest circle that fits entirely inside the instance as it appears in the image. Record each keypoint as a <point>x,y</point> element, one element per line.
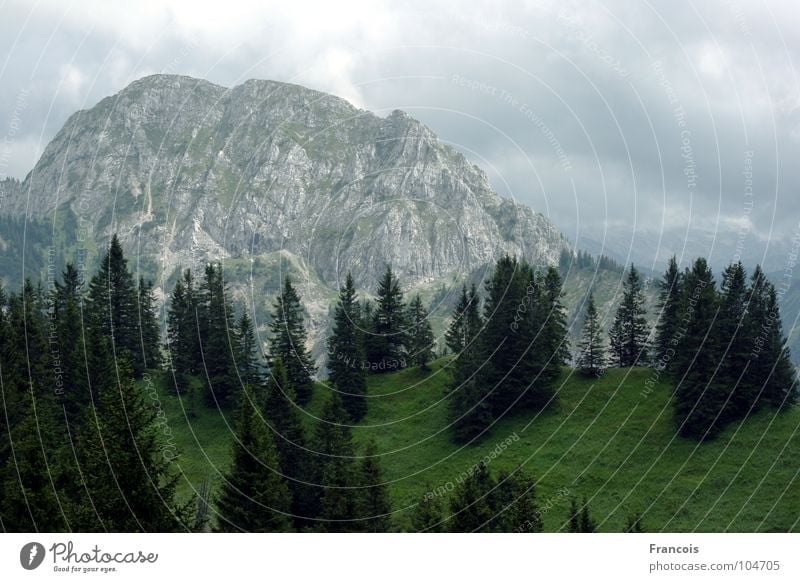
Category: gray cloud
<point>622,121</point>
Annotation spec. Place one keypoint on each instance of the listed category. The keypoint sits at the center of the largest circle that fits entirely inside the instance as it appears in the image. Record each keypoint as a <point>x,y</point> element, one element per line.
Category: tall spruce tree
<point>282,414</point>
<point>514,503</point>
<point>335,470</point>
<point>669,294</point>
<point>112,299</point>
<point>779,388</point>
<point>346,352</point>
<point>127,475</point>
<point>699,398</point>
<point>149,330</point>
<point>386,344</point>
<point>246,352</point>
<point>255,496</point>
<point>182,332</point>
<point>289,342</point>
<point>591,359</point>
<point>734,341</point>
<point>218,337</point>
<point>630,329</point>
<point>428,514</point>
<point>470,506</point>
<point>374,506</point>
<point>420,334</point>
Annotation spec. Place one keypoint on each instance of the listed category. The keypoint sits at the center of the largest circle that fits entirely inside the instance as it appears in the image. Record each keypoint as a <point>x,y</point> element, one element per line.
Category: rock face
<point>191,170</point>
<point>185,171</point>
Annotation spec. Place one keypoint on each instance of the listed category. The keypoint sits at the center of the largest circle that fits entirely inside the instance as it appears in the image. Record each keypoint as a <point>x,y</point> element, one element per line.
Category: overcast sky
<point>620,120</point>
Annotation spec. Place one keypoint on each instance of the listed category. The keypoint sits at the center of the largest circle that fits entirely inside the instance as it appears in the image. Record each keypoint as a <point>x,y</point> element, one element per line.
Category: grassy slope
<point>604,439</point>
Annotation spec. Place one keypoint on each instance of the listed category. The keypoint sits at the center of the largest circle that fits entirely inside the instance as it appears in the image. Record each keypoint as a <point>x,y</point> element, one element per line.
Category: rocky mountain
<point>266,176</point>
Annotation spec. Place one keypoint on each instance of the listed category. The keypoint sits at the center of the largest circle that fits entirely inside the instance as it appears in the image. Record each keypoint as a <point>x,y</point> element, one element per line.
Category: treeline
<point>722,346</point>
<point>584,260</point>
<point>509,352</point>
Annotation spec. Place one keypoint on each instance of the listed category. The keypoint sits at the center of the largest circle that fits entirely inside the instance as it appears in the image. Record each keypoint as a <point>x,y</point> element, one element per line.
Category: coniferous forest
<point>87,446</point>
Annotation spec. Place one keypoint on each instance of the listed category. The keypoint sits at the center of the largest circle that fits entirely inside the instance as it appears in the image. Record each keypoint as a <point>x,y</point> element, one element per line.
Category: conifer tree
<point>591,359</point>
<point>428,514</point>
<point>182,332</point>
<point>555,340</point>
<point>254,496</point>
<point>346,352</point>
<point>246,358</point>
<point>386,346</point>
<point>587,524</point>
<point>112,300</point>
<point>456,335</point>
<point>779,385</point>
<point>128,476</point>
<point>469,503</point>
<point>699,399</point>
<point>283,417</point>
<point>514,503</point>
<point>633,523</point>
<point>630,330</point>
<point>336,470</point>
<point>574,524</point>
<point>668,313</point>
<point>218,336</point>
<point>374,507</point>
<point>289,342</point>
<point>734,341</point>
<point>420,334</point>
<point>150,334</point>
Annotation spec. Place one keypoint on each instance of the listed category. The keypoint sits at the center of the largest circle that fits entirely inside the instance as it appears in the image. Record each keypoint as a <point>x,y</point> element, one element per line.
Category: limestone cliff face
<point>186,171</point>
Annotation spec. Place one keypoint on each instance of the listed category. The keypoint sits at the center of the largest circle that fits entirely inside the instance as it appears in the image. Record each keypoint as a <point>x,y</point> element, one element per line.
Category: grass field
<point>608,439</point>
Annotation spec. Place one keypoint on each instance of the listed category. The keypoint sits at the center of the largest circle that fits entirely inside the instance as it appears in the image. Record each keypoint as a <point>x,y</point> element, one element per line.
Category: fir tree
<point>128,477</point>
<point>374,507</point>
<point>420,334</point>
<point>112,300</point>
<point>633,523</point>
<point>591,359</point>
<point>469,503</point>
<point>587,524</point>
<point>150,334</point>
<point>668,313</point>
<point>386,345</point>
<point>466,322</point>
<point>289,342</point>
<point>246,362</point>
<point>734,341</point>
<point>282,415</point>
<point>699,399</point>
<point>556,330</point>
<point>630,330</point>
<point>336,470</point>
<point>217,333</point>
<point>182,332</point>
<point>428,514</point>
<point>346,352</point>
<point>254,496</point>
<point>514,503</point>
<point>779,385</point>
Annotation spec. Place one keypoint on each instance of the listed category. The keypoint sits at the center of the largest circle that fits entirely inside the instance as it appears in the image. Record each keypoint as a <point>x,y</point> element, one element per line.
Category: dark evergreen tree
<point>587,524</point>
<point>466,322</point>
<point>555,331</point>
<point>335,470</point>
<point>346,352</point>
<point>428,514</point>
<point>591,359</point>
<point>420,334</point>
<point>630,330</point>
<point>735,344</point>
<point>150,334</point>
<point>574,524</point>
<point>254,496</point>
<point>374,508</point>
<point>387,342</point>
<point>289,342</point>
<point>112,300</point>
<point>218,340</point>
<point>514,503</point>
<point>127,477</point>
<point>283,416</point>
<point>182,332</point>
<point>699,399</point>
<point>246,353</point>
<point>469,503</point>
<point>668,314</point>
<point>779,385</point>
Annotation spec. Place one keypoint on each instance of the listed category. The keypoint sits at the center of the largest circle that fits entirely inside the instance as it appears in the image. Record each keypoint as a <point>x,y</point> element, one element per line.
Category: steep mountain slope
<point>268,176</point>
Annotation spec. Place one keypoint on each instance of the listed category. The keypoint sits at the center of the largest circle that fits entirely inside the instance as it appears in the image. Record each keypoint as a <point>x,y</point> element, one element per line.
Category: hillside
<point>605,439</point>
